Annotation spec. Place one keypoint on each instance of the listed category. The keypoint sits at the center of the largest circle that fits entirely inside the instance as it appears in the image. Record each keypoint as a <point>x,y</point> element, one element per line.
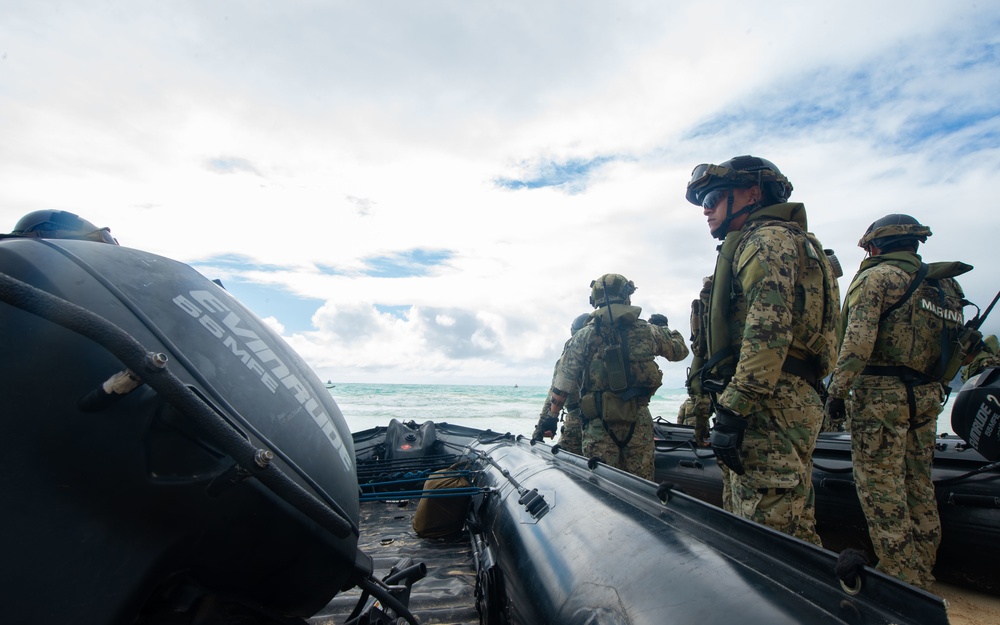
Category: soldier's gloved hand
<point>546,428</point>
<point>835,412</point>
<point>727,438</point>
<point>658,320</point>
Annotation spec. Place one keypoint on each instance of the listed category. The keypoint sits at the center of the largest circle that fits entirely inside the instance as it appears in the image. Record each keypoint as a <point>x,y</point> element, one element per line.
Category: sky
<point>422,191</point>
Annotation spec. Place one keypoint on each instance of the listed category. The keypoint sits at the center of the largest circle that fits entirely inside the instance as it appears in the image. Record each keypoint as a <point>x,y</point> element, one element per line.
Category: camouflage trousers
<point>638,455</point>
<point>777,488</point>
<point>571,433</point>
<point>892,454</point>
<point>696,411</point>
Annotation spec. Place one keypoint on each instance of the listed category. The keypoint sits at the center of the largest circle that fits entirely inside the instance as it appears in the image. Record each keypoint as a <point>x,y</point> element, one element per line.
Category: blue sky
<point>422,191</point>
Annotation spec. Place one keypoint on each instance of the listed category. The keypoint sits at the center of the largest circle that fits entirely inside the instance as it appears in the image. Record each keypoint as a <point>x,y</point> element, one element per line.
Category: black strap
<point>921,274</point>
<point>800,368</point>
<point>621,444</point>
<point>908,376</point>
<point>716,358</point>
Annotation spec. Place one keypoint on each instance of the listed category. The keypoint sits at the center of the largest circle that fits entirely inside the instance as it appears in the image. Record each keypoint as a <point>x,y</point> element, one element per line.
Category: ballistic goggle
<point>710,182</point>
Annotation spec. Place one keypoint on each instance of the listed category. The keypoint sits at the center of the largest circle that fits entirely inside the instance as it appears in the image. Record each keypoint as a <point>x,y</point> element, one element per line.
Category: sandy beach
<point>968,607</point>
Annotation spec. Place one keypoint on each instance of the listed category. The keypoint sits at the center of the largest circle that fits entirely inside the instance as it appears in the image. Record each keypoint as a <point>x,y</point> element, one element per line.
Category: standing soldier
<point>988,357</point>
<point>571,434</point>
<point>771,336</point>
<point>614,355</point>
<point>697,408</point>
<point>899,315</point>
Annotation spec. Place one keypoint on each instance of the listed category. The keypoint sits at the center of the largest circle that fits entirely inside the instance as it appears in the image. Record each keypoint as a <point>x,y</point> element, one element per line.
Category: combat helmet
<point>578,323</point>
<point>894,231</point>
<point>611,288</point>
<point>710,183</point>
<point>56,224</point>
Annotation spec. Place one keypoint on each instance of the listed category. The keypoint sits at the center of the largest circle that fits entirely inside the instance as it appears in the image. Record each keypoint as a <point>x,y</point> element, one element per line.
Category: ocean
<point>511,409</point>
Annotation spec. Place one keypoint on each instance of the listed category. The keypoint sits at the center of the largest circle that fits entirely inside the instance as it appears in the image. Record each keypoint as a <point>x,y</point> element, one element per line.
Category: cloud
<point>420,192</point>
<point>230,165</point>
<point>570,175</point>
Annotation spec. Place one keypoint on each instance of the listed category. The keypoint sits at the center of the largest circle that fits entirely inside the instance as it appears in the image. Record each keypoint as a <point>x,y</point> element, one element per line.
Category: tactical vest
<point>621,377</point>
<point>815,308</point>
<point>634,342</point>
<point>925,332</point>
<point>699,342</point>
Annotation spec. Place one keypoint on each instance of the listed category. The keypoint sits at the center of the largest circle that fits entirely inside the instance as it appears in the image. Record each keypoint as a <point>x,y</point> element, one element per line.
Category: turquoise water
<point>499,408</point>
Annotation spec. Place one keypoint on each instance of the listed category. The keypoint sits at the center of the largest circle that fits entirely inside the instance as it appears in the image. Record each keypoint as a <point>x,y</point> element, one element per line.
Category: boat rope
<point>982,469</point>
<point>423,494</point>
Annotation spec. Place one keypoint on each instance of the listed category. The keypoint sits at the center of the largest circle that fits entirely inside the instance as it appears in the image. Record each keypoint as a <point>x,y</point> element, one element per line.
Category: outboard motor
<point>167,457</point>
<point>976,414</point>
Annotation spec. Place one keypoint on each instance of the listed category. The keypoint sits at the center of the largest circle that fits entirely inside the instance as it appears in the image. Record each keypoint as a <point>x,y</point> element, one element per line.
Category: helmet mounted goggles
<point>739,172</point>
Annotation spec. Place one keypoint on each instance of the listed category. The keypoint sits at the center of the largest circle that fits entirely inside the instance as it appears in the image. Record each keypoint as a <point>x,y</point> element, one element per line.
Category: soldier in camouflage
<point>988,357</point>
<point>771,335</point>
<point>611,363</point>
<point>571,433</point>
<point>697,408</point>
<point>890,368</point>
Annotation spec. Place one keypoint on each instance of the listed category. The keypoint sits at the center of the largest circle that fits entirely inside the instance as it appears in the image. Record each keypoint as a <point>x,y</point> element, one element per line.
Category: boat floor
<point>447,595</point>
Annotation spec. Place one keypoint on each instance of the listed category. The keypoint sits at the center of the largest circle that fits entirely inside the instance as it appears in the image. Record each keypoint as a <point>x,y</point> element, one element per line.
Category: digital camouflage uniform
<point>571,433</point>
<point>697,408</point>
<point>774,304</point>
<point>893,418</point>
<point>623,415</point>
<point>988,357</point>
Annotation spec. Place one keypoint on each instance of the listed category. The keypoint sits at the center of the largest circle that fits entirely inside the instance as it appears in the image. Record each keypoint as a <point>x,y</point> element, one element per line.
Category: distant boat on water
<point>330,384</point>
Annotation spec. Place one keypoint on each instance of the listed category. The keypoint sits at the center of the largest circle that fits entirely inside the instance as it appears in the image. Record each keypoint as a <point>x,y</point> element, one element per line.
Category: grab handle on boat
<point>973,501</point>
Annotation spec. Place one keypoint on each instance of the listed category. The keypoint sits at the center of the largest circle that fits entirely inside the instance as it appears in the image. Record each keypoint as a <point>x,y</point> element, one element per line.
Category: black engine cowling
<point>976,415</point>
<point>129,512</point>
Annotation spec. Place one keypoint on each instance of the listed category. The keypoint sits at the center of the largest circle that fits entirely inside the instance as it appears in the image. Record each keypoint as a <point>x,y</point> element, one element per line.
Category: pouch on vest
<point>962,346</point>
<point>614,364</point>
<point>588,406</point>
<point>614,409</point>
<point>437,517</point>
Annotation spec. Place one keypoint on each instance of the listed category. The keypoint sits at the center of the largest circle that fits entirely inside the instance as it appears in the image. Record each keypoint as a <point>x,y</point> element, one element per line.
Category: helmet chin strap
<point>720,232</point>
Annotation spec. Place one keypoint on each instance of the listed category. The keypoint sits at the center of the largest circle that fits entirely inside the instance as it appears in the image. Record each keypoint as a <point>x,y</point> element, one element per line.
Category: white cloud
<point>311,138</point>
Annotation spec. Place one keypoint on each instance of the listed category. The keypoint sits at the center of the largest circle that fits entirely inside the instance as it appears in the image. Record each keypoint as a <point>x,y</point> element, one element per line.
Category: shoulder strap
<point>921,273</point>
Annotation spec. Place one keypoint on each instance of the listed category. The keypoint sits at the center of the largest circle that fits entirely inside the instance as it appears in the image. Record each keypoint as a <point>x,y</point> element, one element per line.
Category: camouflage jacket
<point>699,343</point>
<point>909,336</point>
<point>777,298</point>
<point>582,358</point>
<point>988,357</point>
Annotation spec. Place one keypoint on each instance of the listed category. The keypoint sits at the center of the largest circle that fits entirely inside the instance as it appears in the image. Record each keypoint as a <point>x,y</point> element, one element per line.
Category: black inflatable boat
<point>170,460</point>
<point>967,487</point>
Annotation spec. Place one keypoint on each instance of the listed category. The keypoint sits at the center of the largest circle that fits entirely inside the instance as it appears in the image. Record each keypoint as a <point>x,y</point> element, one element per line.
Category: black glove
<point>835,412</point>
<point>658,320</point>
<point>727,438</point>
<point>546,425</point>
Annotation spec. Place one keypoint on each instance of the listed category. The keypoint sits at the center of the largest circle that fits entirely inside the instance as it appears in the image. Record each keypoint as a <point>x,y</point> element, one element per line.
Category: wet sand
<point>968,607</point>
